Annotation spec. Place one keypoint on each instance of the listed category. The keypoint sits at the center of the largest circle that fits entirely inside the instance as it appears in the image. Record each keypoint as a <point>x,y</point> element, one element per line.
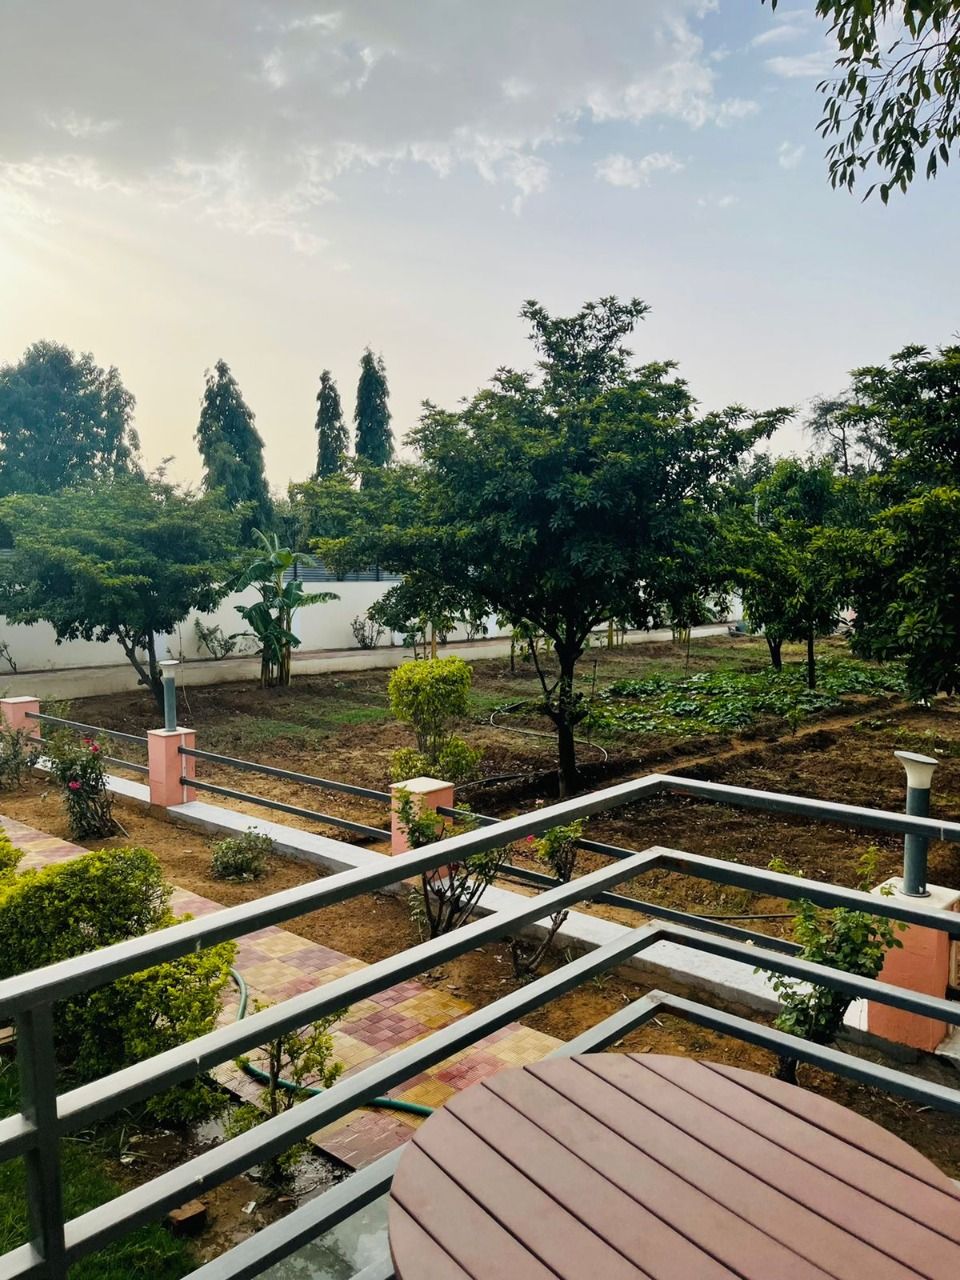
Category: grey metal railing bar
<point>93,729</point>
<point>802,806</point>
<point>938,1096</point>
<point>124,764</point>
<point>358,828</point>
<point>99,1226</point>
<point>710,924</point>
<point>80,973</point>
<point>306,779</point>
<point>37,1073</point>
<point>102,1097</point>
<point>303,1225</point>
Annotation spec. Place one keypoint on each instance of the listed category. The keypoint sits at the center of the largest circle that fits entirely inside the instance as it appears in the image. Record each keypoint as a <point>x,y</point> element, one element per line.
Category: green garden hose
<point>255,1073</point>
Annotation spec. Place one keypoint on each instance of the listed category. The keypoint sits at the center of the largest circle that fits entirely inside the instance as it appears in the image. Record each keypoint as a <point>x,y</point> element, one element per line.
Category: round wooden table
<point>618,1166</point>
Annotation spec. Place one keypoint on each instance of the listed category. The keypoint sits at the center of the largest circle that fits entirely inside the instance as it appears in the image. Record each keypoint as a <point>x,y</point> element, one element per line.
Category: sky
<point>281,184</point>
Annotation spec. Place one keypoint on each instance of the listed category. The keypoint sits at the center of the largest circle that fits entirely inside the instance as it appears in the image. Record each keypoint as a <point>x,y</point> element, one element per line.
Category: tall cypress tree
<point>333,439</point>
<point>372,414</point>
<point>232,448</point>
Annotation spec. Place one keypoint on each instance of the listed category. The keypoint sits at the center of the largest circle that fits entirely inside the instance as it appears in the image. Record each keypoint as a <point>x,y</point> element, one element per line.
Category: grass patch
<point>731,701</point>
<point>150,1252</point>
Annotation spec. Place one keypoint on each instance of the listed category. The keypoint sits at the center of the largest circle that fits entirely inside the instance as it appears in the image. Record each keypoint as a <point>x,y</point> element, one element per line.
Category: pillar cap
<point>919,769</point>
<point>420,786</point>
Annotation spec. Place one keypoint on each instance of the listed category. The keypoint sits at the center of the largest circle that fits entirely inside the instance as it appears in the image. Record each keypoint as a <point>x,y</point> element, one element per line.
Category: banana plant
<point>270,618</point>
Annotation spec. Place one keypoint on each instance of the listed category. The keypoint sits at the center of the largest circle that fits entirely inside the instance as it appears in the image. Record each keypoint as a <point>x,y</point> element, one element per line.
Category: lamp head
<point>919,769</point>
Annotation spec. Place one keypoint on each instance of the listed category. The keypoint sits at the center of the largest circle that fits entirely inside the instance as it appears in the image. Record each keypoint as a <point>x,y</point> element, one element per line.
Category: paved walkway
<point>277,964</point>
<point>88,682</point>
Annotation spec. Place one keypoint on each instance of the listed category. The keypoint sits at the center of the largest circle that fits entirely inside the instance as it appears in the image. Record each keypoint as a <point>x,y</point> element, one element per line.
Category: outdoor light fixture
<point>919,770</point>
<point>169,668</point>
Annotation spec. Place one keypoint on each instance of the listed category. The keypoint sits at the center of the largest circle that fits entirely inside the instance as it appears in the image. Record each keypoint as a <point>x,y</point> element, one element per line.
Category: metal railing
<point>287,775</point>
<point>99,732</point>
<point>45,1118</point>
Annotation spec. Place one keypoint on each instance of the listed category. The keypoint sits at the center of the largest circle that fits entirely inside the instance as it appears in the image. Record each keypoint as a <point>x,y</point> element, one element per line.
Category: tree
<point>789,579</point>
<point>332,436</point>
<point>63,421</point>
<point>562,500</point>
<point>903,564</point>
<point>232,449</point>
<point>374,439</point>
<point>273,571</point>
<point>125,559</point>
<point>895,100</point>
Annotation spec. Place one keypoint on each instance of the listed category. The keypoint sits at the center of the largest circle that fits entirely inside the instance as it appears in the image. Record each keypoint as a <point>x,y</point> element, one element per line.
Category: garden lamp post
<point>168,668</point>
<point>919,770</point>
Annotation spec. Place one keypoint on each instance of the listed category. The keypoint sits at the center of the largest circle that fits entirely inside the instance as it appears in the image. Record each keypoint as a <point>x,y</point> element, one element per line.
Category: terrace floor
<point>277,964</point>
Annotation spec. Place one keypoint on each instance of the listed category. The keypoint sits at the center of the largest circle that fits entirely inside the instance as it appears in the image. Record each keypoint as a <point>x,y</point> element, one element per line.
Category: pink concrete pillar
<point>921,964</point>
<point>167,766</point>
<point>13,713</point>
<point>426,793</point>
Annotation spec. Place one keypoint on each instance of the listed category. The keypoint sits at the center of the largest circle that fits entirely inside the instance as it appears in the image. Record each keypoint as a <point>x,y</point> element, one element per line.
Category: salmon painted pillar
<point>922,964</point>
<point>425,793</point>
<point>13,713</point>
<point>167,766</point>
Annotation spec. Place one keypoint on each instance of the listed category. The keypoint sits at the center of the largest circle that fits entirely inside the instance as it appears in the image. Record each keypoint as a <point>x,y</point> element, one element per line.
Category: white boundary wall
<point>322,626</point>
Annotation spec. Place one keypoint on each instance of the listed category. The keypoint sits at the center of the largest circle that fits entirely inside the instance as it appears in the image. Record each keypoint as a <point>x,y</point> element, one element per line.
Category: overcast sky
<point>280,185</point>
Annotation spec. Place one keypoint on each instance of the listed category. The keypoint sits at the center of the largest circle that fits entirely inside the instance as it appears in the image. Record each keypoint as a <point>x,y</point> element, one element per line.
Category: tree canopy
<point>903,564</point>
<point>125,559</point>
<point>374,438</point>
<point>894,104</point>
<point>63,420</point>
<point>333,439</point>
<point>587,492</point>
<point>232,449</point>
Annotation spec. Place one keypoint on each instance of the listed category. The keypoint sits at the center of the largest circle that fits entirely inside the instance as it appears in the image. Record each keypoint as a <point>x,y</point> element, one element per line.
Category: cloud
<point>817,63</point>
<point>725,201</point>
<point>620,171</point>
<point>782,33</point>
<point>253,114</point>
<point>790,154</point>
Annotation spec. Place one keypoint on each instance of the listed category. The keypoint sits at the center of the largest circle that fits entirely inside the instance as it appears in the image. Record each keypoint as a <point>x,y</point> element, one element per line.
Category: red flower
<point>74,785</point>
<point>94,747</point>
<point>531,839</point>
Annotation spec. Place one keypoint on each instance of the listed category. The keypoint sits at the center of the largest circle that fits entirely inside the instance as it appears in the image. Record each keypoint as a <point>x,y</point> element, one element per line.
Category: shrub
<point>9,854</point>
<point>76,765</point>
<point>242,857</point>
<point>557,850</point>
<point>17,756</point>
<point>449,894</point>
<point>851,941</point>
<point>92,901</point>
<point>366,631</point>
<point>292,1065</point>
<point>216,642</point>
<point>455,762</point>
<point>429,696</point>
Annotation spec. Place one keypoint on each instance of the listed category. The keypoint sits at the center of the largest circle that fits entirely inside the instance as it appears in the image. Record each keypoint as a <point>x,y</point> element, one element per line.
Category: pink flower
<point>531,839</point>
<point>74,785</point>
<point>94,747</point>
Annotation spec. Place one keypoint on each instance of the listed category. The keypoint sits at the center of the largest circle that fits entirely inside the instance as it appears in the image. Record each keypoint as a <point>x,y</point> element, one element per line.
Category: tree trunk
<point>566,747</point>
<point>786,1069</point>
<point>775,646</point>
<point>811,660</point>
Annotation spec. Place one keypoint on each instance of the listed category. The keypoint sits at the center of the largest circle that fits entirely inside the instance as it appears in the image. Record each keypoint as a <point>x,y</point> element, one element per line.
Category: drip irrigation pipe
<point>255,1073</point>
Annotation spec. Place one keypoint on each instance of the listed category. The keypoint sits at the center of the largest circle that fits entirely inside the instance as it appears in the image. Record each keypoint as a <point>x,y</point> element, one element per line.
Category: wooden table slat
<point>456,1223</point>
<point>849,1126</point>
<point>619,1167</point>
<point>627,1130</point>
<point>803,1136</point>
<point>433,1263</point>
<point>611,1213</point>
<point>556,1237</point>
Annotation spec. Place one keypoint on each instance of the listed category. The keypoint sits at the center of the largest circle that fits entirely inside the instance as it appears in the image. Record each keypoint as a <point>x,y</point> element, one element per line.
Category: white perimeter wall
<point>322,626</point>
